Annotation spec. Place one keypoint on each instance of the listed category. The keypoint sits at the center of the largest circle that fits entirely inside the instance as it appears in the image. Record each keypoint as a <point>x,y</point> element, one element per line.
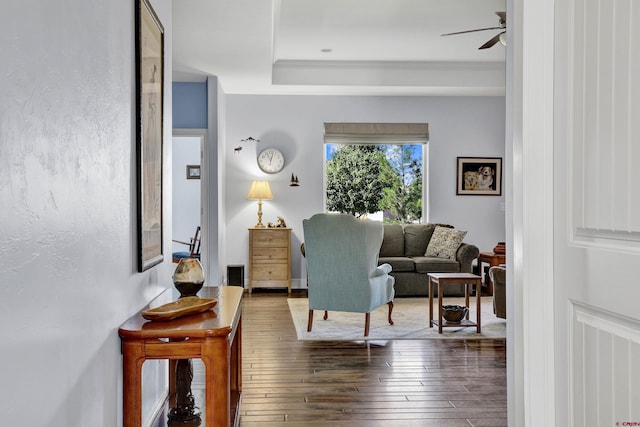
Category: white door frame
<point>530,331</point>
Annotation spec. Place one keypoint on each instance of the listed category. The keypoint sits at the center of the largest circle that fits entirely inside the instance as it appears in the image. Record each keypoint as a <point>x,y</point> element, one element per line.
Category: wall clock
<point>271,160</point>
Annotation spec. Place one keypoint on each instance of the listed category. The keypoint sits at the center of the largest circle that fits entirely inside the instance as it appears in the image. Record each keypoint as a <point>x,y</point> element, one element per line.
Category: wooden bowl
<point>181,307</point>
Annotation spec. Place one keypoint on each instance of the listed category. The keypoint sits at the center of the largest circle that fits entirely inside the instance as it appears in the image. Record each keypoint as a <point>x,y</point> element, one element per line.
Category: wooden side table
<point>492,259</point>
<point>441,280</point>
<point>214,336</point>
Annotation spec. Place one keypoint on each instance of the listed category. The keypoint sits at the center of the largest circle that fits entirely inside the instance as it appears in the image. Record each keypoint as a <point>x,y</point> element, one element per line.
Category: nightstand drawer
<point>270,272</point>
<point>271,238</point>
<point>261,255</point>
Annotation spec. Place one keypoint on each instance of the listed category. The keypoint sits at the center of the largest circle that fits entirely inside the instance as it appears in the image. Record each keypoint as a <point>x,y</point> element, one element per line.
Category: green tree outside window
<point>365,179</point>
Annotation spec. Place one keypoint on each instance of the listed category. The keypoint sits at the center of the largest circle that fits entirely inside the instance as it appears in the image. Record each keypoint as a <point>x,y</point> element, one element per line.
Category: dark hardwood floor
<point>287,382</point>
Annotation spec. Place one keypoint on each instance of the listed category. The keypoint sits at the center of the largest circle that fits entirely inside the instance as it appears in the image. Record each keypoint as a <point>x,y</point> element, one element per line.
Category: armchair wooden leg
<point>390,310</point>
<point>326,315</point>
<point>367,322</point>
<point>310,321</point>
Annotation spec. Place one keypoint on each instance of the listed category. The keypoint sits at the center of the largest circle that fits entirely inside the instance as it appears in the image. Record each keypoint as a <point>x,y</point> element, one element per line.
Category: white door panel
<point>596,211</point>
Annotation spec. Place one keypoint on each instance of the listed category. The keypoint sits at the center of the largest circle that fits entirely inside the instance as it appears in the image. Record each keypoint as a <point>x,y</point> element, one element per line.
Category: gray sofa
<point>404,248</point>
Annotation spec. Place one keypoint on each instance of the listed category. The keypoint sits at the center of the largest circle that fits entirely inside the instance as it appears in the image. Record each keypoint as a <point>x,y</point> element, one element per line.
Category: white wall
<point>459,126</point>
<point>68,274</point>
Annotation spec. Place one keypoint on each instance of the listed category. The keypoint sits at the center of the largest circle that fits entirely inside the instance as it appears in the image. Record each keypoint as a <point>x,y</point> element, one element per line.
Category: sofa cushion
<point>445,242</point>
<point>398,263</point>
<point>393,241</point>
<point>436,265</point>
<point>416,238</point>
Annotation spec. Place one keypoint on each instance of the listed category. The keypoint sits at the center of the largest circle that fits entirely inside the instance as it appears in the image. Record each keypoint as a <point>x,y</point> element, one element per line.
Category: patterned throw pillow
<point>445,242</point>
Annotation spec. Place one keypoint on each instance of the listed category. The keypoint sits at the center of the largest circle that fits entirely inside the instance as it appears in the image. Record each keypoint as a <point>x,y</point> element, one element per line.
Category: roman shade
<point>376,133</point>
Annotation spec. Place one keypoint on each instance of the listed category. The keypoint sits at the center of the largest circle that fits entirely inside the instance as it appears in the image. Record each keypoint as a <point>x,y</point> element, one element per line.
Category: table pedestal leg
<point>185,409</point>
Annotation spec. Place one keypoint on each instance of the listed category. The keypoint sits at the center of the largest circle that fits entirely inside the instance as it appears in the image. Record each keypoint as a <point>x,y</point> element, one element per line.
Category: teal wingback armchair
<point>342,271</point>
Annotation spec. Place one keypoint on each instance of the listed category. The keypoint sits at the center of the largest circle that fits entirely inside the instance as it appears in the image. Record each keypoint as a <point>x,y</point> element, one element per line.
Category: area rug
<point>410,317</point>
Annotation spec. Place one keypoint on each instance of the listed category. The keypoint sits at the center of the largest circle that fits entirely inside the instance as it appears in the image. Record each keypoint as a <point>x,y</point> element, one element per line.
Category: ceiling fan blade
<point>491,42</point>
<point>503,18</point>
<point>473,31</point>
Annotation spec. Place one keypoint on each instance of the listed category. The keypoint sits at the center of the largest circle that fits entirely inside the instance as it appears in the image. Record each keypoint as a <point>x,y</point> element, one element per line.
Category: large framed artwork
<point>479,176</point>
<point>149,100</point>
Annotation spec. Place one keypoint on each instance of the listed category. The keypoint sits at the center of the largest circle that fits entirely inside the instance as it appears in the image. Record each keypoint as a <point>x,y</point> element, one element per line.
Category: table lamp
<point>260,191</point>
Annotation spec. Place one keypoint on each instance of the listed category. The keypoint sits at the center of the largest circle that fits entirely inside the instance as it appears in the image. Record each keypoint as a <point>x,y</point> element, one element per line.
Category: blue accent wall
<point>189,105</point>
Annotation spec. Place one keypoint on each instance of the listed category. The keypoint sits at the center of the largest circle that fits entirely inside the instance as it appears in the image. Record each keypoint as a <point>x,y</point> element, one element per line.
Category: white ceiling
<point>376,47</point>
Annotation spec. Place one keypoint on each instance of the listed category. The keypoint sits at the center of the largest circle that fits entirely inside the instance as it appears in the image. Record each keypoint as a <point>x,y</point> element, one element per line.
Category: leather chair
<point>498,276</point>
<point>342,271</point>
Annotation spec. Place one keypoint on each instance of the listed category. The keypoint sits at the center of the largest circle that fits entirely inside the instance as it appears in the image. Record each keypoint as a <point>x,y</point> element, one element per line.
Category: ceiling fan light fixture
<point>502,38</point>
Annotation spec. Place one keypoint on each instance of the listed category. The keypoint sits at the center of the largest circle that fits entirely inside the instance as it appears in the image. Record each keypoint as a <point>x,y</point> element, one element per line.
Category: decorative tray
<point>179,308</point>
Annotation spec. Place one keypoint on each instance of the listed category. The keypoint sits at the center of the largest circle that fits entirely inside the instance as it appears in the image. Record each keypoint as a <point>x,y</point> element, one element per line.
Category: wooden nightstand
<point>269,258</point>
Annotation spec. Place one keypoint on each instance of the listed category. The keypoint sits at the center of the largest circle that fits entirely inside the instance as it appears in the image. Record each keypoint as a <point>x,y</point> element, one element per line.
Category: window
<point>381,181</point>
<point>390,184</point>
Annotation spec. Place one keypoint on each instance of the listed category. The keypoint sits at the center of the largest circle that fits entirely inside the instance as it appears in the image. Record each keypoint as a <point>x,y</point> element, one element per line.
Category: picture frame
<point>479,176</point>
<point>149,54</point>
<point>193,171</point>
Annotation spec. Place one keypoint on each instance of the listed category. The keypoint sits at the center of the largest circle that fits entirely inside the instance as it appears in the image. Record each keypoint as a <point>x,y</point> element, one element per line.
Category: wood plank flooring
<point>290,383</point>
<point>287,382</point>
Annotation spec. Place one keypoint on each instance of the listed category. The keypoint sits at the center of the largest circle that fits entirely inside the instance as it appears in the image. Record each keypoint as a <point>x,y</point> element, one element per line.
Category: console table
<point>214,336</point>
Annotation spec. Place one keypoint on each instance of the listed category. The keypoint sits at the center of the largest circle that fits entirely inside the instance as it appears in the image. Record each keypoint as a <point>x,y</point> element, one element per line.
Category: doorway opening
<point>186,190</point>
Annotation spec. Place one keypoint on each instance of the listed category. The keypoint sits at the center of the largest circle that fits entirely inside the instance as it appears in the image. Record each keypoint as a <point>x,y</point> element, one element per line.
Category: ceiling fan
<point>497,38</point>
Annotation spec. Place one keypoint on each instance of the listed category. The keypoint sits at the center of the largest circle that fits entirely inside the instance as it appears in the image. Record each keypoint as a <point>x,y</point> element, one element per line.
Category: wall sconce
<point>260,191</point>
<point>294,181</point>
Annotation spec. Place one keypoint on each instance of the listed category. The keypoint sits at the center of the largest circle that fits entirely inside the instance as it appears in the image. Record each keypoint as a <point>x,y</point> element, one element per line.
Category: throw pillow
<point>445,242</point>
<point>416,238</point>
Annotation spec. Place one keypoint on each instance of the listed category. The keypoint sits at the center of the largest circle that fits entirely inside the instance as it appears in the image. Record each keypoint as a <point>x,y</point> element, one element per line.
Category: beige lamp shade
<point>260,191</point>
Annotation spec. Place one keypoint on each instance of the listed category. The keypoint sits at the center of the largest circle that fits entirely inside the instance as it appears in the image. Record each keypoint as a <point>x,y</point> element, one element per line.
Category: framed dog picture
<point>479,176</point>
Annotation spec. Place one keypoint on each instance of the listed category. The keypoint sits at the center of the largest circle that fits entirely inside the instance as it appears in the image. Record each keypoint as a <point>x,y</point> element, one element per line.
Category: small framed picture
<point>479,176</point>
<point>193,171</point>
